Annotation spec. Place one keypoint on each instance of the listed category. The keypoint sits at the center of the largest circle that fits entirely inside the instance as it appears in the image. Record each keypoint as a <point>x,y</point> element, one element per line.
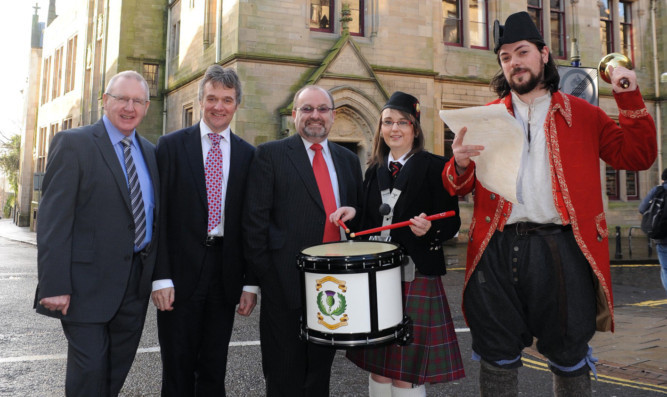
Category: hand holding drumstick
<point>341,215</point>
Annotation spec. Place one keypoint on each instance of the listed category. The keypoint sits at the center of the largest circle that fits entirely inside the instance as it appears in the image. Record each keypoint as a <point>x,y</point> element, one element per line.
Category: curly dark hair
<point>551,80</point>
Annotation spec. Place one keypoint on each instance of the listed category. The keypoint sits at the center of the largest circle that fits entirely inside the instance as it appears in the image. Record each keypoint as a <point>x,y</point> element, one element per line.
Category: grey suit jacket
<point>284,212</point>
<point>85,229</point>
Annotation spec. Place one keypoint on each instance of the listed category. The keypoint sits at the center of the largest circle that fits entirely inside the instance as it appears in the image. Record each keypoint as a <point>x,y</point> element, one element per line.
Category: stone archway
<point>357,115</point>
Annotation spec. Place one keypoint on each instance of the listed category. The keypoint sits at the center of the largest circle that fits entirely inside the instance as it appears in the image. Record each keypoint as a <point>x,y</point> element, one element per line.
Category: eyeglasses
<point>310,109</point>
<point>399,123</point>
<point>125,100</point>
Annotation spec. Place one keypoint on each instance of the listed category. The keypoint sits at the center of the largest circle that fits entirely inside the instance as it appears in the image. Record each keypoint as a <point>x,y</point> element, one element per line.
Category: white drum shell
<point>357,297</point>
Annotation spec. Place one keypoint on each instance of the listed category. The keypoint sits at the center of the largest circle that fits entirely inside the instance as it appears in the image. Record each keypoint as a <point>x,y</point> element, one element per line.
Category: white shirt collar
<point>403,159</point>
<point>308,144</point>
<point>204,130</point>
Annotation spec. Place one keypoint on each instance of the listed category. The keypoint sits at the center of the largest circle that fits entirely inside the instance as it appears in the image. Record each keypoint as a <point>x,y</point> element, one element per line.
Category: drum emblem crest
<point>331,303</point>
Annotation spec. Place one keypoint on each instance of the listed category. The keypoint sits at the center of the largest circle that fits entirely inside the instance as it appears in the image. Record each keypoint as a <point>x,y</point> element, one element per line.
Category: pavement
<point>635,352</point>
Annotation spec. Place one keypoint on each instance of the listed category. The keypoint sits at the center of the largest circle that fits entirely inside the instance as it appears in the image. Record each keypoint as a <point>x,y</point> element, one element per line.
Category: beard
<point>315,131</point>
<point>528,85</point>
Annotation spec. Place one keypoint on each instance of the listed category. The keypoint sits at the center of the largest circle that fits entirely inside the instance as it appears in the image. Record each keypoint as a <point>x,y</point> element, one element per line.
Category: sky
<point>15,28</point>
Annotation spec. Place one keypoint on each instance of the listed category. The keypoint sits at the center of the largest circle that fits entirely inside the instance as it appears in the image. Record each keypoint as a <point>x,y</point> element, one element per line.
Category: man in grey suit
<point>95,238</point>
<point>287,210</point>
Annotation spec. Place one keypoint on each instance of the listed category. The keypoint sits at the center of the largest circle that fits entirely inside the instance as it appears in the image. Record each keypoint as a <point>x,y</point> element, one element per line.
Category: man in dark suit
<point>201,270</point>
<point>96,238</point>
<point>287,210</point>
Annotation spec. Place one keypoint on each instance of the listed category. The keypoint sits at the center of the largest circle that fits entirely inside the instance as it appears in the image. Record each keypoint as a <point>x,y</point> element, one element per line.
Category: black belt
<point>211,241</point>
<point>540,229</point>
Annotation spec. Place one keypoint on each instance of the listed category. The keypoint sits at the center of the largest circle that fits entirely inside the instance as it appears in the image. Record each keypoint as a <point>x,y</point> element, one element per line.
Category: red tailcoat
<point>578,135</point>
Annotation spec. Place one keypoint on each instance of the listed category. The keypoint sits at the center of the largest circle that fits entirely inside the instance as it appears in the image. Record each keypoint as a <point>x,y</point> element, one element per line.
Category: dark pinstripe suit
<point>283,215</point>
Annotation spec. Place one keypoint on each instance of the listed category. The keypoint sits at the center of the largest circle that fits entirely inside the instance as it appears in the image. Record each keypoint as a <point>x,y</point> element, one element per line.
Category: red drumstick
<point>342,224</point>
<point>403,224</point>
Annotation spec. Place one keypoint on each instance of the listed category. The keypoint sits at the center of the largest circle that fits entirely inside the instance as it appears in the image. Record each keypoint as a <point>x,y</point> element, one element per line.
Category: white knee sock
<point>419,391</point>
<point>377,389</point>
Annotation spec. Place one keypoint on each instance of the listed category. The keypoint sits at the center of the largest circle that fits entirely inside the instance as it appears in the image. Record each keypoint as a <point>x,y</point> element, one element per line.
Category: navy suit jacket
<point>184,219</point>
<point>85,228</point>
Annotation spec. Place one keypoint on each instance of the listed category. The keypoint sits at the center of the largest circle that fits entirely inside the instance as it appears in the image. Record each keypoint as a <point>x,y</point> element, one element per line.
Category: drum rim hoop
<point>382,337</point>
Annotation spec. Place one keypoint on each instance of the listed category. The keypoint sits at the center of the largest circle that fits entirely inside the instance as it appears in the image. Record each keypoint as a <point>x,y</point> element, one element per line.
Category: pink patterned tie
<point>213,171</point>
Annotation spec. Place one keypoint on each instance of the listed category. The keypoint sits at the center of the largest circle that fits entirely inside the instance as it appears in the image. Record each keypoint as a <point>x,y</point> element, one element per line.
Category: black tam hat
<point>404,102</point>
<point>518,26</point>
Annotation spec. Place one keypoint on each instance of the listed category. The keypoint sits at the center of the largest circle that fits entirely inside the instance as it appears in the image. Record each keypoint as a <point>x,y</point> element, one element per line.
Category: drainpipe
<point>656,81</point>
<point>105,45</point>
<point>218,39</point>
<point>167,62</point>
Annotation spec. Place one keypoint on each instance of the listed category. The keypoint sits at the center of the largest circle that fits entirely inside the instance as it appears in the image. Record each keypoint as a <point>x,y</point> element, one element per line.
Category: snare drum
<point>351,294</point>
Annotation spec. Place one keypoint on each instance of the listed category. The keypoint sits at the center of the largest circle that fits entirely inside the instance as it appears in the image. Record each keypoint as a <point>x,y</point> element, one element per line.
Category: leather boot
<point>498,382</point>
<point>572,386</point>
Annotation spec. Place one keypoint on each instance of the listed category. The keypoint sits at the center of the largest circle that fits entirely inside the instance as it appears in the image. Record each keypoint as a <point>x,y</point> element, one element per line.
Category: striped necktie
<point>136,199</point>
<point>395,167</point>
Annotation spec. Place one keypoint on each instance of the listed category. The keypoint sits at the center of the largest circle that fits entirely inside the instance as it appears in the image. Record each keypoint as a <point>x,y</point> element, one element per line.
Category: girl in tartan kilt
<point>399,162</point>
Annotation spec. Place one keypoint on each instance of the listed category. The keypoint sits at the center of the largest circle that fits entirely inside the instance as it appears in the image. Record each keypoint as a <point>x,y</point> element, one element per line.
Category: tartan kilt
<point>433,356</point>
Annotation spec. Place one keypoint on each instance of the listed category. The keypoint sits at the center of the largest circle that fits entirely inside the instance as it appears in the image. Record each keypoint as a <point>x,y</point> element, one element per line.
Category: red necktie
<point>213,171</point>
<point>331,232</point>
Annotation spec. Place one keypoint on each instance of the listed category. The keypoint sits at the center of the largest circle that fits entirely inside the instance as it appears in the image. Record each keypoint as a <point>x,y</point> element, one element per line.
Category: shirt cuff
<point>162,284</point>
<point>251,288</point>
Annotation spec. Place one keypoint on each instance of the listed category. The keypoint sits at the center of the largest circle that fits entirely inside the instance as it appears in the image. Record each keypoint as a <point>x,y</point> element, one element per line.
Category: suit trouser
<point>292,367</point>
<point>194,337</point>
<point>99,355</point>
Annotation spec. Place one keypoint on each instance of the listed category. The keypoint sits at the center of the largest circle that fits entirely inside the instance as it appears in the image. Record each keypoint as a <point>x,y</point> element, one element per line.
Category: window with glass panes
<point>478,24</point>
<point>625,16</point>
<point>151,76</point>
<point>557,27</point>
<point>452,26</point>
<point>321,15</point>
<point>535,10</point>
<point>188,115</point>
<point>356,25</point>
<point>606,23</point>
<point>614,182</point>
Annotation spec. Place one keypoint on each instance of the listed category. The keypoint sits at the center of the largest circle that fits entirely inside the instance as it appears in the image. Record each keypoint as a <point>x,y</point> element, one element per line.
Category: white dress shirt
<point>536,202</point>
<point>225,147</point>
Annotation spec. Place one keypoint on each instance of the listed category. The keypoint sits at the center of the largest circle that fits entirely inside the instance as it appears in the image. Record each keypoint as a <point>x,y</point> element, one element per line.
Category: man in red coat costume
<point>540,268</point>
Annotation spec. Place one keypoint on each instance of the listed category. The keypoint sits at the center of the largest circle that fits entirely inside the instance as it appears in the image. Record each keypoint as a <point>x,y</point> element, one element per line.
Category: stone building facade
<point>439,51</point>
<point>84,43</point>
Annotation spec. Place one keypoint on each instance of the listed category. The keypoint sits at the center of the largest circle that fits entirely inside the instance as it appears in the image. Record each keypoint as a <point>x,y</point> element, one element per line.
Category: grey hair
<point>129,74</point>
<point>216,74</point>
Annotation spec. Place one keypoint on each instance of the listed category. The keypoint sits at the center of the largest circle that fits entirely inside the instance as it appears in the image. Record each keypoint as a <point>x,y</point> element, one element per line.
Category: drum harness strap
<point>389,198</point>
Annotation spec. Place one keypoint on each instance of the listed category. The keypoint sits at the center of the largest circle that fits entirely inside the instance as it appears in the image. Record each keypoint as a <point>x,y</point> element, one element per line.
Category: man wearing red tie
<point>294,184</point>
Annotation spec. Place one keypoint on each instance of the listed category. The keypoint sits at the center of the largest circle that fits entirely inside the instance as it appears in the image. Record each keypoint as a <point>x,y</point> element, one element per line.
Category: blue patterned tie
<point>136,198</point>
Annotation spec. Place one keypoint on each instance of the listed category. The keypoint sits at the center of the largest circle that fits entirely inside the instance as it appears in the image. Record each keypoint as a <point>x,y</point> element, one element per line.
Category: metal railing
<point>618,249</point>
